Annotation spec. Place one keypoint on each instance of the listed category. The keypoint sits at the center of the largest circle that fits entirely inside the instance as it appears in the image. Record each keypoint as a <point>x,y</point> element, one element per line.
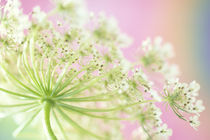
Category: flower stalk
<point>47,122</point>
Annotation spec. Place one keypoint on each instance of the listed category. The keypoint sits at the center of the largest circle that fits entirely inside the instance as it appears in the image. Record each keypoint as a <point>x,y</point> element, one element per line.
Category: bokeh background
<point>184,23</point>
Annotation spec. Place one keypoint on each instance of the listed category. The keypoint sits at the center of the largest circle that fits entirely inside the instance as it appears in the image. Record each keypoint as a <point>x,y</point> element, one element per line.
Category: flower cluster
<point>151,125</point>
<point>65,67</point>
<point>11,25</point>
<point>182,98</point>
<point>156,55</point>
<point>108,32</point>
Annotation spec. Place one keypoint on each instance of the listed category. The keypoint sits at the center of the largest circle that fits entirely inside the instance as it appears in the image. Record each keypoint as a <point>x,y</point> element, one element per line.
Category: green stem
<point>67,106</point>
<point>84,100</point>
<point>146,131</point>
<point>17,94</point>
<point>47,125</point>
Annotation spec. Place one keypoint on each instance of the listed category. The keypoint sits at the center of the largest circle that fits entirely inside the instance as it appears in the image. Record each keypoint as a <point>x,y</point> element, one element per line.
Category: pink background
<point>175,21</point>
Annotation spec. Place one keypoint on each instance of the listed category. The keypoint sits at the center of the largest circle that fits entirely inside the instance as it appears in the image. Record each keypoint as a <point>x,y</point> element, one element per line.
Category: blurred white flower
<point>194,122</point>
<point>38,15</point>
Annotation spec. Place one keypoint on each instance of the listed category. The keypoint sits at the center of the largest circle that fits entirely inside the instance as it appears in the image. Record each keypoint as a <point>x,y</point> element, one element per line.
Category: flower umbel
<point>65,67</point>
<point>156,56</point>
<point>182,98</point>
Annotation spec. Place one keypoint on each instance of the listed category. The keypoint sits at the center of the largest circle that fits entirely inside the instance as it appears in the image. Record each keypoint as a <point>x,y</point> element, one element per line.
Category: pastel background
<point>184,23</point>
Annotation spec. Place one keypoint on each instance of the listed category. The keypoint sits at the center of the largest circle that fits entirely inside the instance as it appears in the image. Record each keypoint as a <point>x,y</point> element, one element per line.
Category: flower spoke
<point>18,105</point>
<point>18,94</point>
<point>60,125</point>
<point>96,116</point>
<point>19,82</point>
<point>25,123</point>
<point>88,85</point>
<point>67,82</point>
<point>84,100</point>
<point>29,81</point>
<point>28,109</point>
<point>60,78</point>
<point>102,110</point>
<point>77,126</point>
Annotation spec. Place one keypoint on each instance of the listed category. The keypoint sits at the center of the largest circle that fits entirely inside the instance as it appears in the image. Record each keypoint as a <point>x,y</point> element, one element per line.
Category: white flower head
<point>181,98</point>
<point>194,87</point>
<point>170,71</point>
<point>164,131</point>
<point>194,122</point>
<point>156,56</point>
<point>139,134</point>
<point>155,95</point>
<point>38,15</point>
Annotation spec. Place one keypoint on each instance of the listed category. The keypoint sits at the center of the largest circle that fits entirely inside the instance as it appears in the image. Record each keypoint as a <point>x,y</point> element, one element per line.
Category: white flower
<point>139,134</point>
<point>146,45</point>
<point>73,10</point>
<point>182,97</point>
<point>123,86</point>
<point>141,78</point>
<point>198,107</point>
<point>38,15</point>
<point>194,122</point>
<point>170,71</point>
<point>194,87</point>
<point>126,65</point>
<point>156,55</point>
<point>164,131</point>
<point>155,95</point>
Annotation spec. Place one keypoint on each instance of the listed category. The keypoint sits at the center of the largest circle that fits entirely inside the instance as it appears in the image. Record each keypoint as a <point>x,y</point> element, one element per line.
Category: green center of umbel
<point>49,100</point>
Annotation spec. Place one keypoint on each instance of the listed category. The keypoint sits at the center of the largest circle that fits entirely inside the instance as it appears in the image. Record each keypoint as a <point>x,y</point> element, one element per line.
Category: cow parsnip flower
<point>60,74</point>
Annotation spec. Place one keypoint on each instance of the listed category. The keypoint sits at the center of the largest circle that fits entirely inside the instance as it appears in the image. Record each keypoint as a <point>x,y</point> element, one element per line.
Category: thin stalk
<point>146,131</point>
<point>60,125</point>
<point>47,75</point>
<point>76,86</point>
<point>25,124</point>
<point>30,72</point>
<point>23,76</point>
<point>178,113</point>
<point>52,76</point>
<point>19,82</point>
<point>42,79</point>
<point>60,78</point>
<point>17,105</point>
<point>18,94</point>
<point>85,100</point>
<point>97,116</point>
<point>28,109</point>
<point>77,126</point>
<point>102,109</point>
<point>92,97</point>
<point>67,82</point>
<point>181,108</point>
<point>35,71</point>
<point>91,83</point>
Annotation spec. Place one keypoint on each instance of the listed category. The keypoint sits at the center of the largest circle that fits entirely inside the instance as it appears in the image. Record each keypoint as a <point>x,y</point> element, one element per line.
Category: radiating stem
<point>60,125</point>
<point>47,125</point>
<point>67,106</point>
